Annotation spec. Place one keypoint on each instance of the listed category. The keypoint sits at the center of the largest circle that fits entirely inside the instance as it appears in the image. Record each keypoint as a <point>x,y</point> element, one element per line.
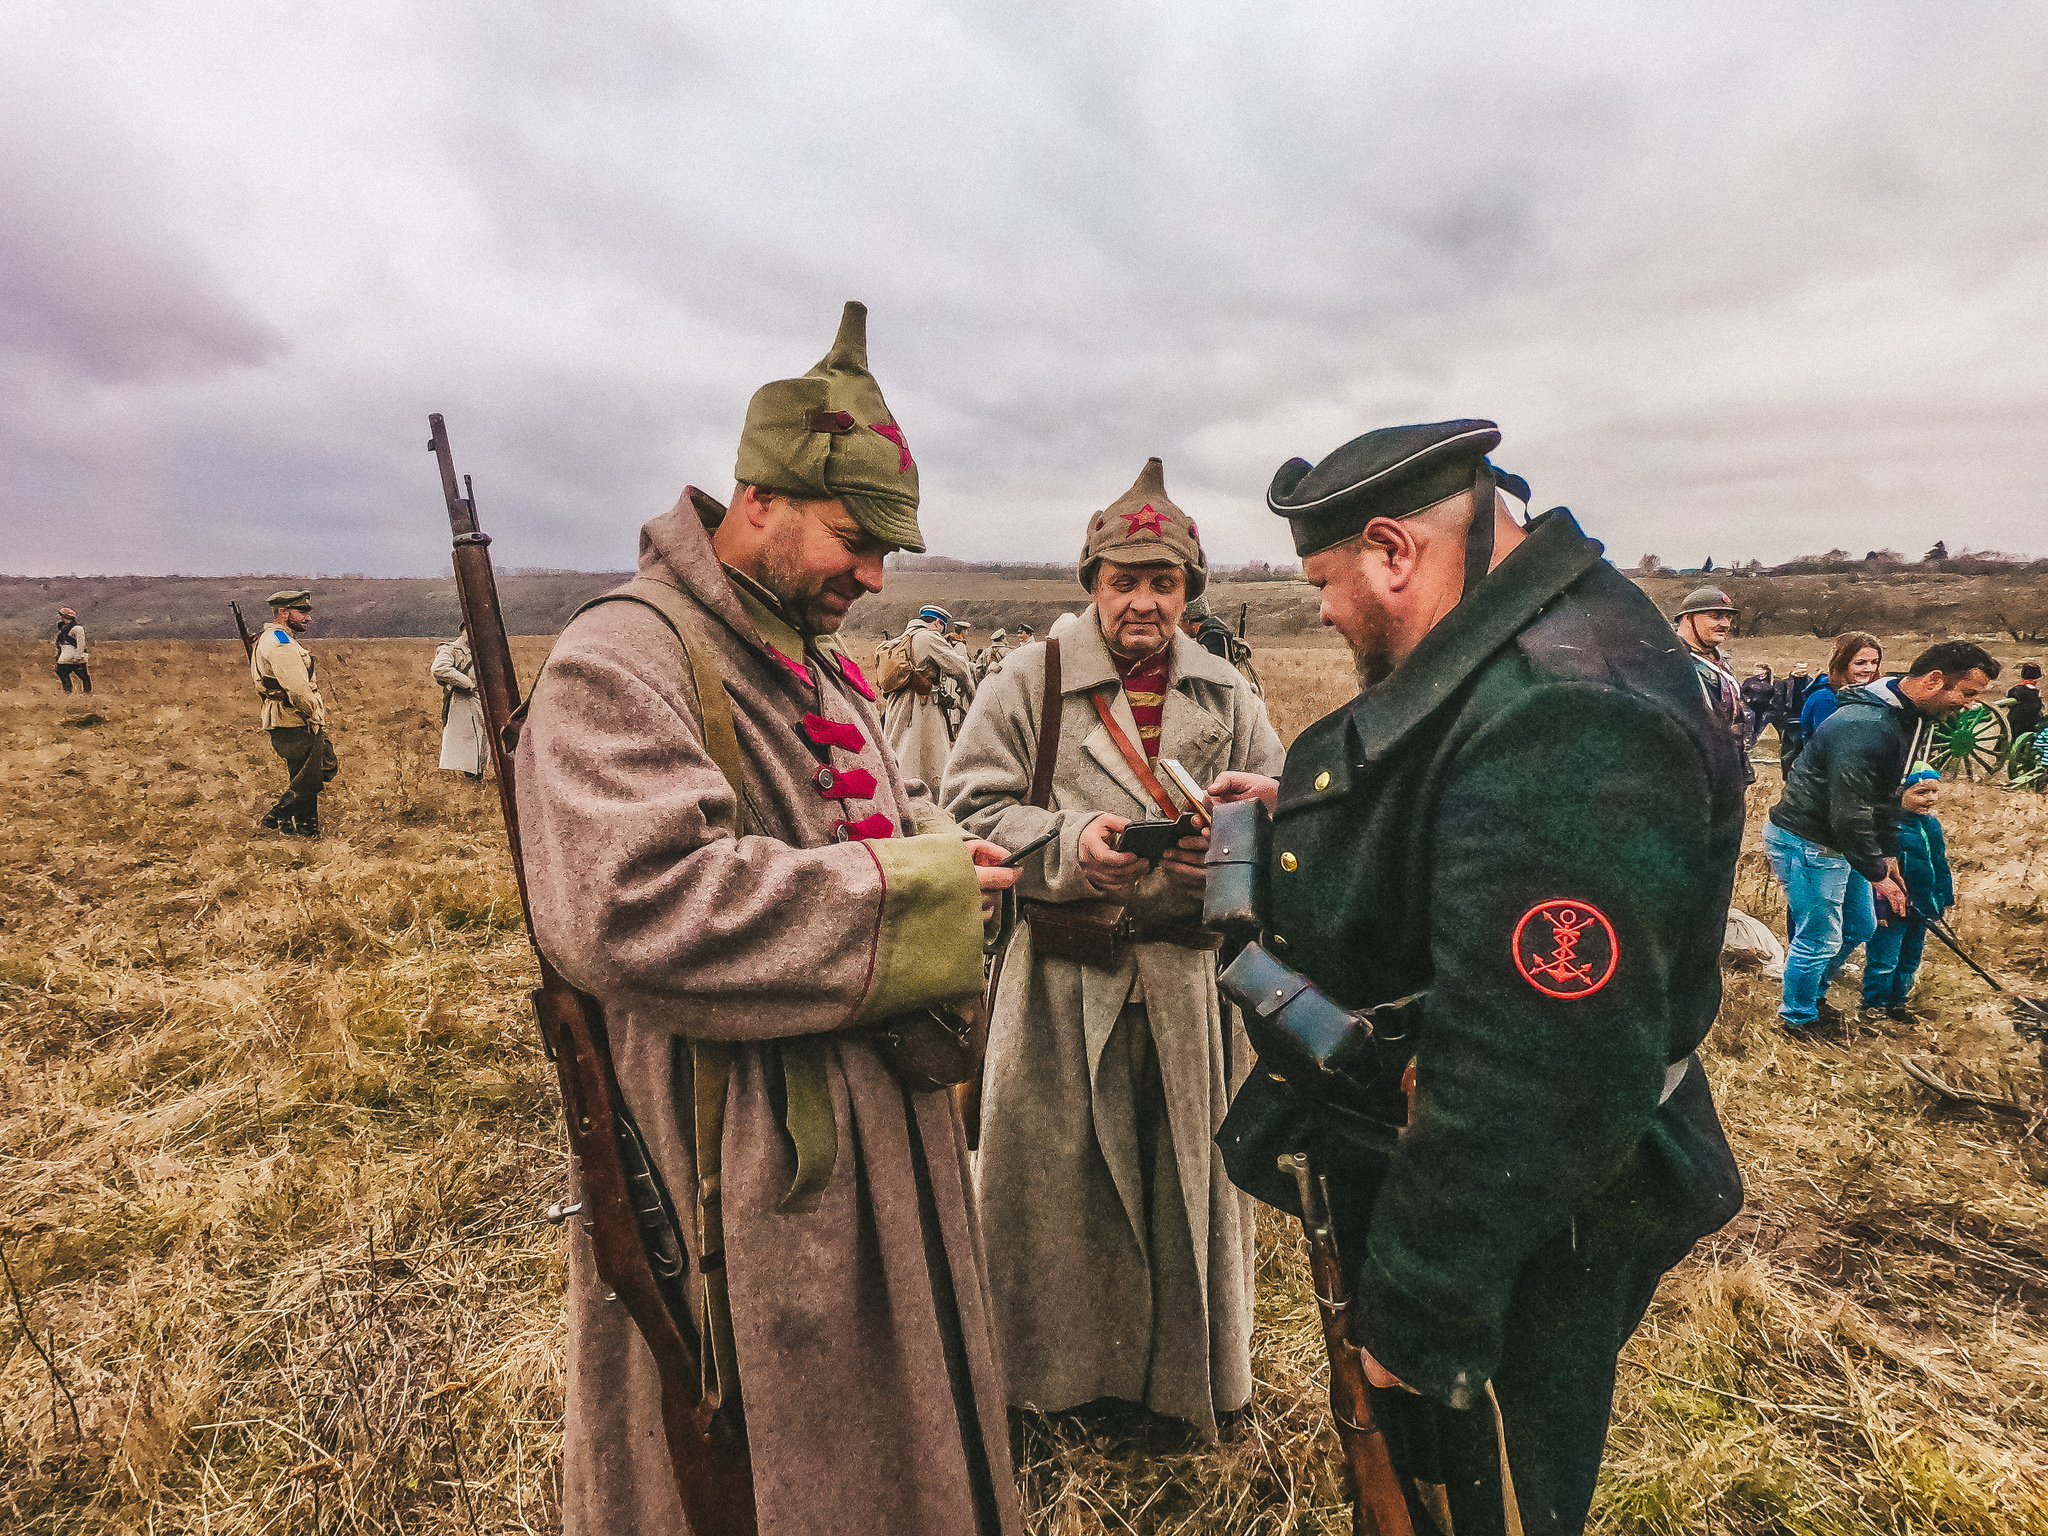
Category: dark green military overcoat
<point>1528,830</point>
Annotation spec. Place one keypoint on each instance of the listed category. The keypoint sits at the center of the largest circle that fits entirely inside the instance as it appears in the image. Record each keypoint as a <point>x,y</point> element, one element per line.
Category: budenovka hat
<point>291,600</point>
<point>1706,600</point>
<point>1393,472</point>
<point>1142,527</point>
<point>830,435</point>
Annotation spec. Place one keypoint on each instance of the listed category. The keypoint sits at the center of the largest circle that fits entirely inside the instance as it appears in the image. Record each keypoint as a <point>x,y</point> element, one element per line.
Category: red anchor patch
<point>1565,948</point>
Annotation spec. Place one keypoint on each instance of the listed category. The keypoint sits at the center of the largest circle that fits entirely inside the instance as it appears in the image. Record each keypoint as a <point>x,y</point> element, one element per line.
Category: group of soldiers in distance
<point>1505,866</point>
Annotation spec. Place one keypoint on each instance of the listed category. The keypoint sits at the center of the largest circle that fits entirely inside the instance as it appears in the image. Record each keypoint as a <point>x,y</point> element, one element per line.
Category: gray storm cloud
<point>1735,280</point>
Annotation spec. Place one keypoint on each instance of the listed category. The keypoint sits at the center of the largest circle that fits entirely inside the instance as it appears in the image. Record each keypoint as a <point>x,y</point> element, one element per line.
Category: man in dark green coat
<point>1516,846</point>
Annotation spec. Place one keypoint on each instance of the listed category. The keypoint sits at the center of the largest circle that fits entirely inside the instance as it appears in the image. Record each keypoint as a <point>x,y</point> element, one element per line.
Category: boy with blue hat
<point>1891,958</point>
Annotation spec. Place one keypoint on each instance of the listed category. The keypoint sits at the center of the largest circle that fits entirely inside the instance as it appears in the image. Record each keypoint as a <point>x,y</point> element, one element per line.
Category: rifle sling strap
<point>1049,702</point>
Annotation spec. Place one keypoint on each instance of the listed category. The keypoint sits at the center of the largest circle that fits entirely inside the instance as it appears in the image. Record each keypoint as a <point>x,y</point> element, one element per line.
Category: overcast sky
<point>1735,280</point>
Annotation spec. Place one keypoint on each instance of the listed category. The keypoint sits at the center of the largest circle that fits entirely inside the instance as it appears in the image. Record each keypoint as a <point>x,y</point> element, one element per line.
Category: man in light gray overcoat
<point>1120,1255</point>
<point>465,739</point>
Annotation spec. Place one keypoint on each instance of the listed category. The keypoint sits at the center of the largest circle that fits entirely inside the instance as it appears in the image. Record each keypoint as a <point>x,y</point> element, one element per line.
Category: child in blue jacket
<point>1892,957</point>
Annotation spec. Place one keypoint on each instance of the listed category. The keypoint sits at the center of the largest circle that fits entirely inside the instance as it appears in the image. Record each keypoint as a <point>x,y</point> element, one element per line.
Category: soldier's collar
<point>771,620</point>
<point>1551,558</point>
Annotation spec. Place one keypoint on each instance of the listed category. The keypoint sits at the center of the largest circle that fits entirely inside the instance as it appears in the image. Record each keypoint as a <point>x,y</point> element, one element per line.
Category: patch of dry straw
<point>274,1134</point>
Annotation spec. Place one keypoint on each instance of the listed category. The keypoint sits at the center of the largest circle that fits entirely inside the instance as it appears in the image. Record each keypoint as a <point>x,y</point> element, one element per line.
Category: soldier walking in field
<point>928,684</point>
<point>465,737</point>
<point>1120,1256</point>
<point>72,658</point>
<point>1515,848</point>
<point>767,909</point>
<point>293,713</point>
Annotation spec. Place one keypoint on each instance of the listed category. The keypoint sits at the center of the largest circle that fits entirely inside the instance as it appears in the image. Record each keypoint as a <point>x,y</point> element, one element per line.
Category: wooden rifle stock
<point>626,1210</point>
<point>1379,1508</point>
<point>248,640</point>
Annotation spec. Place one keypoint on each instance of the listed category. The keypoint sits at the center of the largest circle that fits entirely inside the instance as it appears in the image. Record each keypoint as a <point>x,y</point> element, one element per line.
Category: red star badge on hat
<point>894,433</point>
<point>1141,521</point>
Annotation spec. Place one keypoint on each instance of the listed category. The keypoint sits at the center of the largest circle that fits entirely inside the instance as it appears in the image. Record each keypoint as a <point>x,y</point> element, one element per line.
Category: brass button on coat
<point>1288,862</point>
<point>1323,779</point>
<point>1279,942</point>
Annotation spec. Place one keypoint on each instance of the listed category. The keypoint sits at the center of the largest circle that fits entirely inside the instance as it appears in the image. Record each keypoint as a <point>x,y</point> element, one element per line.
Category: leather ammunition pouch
<point>933,1048</point>
<point>1240,850</point>
<point>1098,932</point>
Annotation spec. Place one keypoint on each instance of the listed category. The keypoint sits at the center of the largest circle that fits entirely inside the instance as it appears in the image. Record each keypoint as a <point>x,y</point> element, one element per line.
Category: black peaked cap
<point>1389,473</point>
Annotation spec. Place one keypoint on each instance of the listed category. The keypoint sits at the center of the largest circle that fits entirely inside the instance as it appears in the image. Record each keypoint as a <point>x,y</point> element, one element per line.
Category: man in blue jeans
<point>1833,838</point>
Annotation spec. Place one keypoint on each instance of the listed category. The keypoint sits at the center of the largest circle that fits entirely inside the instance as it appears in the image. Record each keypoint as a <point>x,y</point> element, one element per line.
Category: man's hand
<point>1110,872</point>
<point>1245,786</point>
<point>1187,862</point>
<point>993,881</point>
<point>1892,894</point>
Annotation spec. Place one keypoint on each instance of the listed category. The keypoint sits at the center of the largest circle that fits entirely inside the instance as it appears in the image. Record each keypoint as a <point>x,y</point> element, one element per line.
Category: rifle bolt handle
<point>555,1215</point>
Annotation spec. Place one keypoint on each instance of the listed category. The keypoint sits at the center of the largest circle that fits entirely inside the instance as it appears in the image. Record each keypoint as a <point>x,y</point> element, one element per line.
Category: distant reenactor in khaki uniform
<point>293,713</point>
<point>990,657</point>
<point>71,653</point>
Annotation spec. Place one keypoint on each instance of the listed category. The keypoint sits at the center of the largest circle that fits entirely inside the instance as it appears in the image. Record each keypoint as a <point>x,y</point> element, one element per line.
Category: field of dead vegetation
<point>275,1136</point>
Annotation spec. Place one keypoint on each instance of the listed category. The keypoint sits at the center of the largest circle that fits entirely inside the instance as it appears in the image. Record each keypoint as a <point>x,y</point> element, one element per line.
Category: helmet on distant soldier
<point>830,436</point>
<point>1142,527</point>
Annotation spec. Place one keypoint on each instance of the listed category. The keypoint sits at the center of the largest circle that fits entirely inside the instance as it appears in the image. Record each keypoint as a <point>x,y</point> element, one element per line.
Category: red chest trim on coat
<point>803,673</point>
<point>855,676</point>
<point>844,783</point>
<point>867,829</point>
<point>832,733</point>
<point>1565,948</point>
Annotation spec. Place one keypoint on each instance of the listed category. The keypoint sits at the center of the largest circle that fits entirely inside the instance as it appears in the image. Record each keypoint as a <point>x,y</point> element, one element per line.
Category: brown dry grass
<point>274,1133</point>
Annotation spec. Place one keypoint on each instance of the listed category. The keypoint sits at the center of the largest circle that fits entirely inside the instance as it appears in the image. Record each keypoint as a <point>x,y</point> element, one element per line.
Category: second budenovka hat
<point>1143,527</point>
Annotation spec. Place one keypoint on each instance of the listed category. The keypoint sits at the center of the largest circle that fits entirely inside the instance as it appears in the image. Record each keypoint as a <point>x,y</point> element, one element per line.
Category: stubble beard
<point>801,591</point>
<point>1372,653</point>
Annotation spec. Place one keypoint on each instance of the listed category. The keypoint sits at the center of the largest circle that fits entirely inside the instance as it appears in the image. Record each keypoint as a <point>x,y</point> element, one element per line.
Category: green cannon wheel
<point>1972,745</point>
<point>2024,765</point>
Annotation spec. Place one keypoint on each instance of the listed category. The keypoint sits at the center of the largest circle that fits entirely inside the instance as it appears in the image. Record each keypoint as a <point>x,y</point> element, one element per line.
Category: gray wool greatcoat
<point>1087,1302</point>
<point>866,1352</point>
<point>915,723</point>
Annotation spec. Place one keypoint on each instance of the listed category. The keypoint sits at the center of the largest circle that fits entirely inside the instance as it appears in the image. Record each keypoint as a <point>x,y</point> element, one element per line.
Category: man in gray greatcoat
<point>1120,1256</point>
<point>859,1320</point>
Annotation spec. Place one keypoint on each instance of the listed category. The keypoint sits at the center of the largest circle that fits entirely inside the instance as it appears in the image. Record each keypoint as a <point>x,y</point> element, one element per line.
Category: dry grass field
<point>275,1133</point>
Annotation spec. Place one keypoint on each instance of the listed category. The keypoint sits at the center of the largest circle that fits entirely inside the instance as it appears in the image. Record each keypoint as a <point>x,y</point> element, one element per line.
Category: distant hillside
<point>1898,601</point>
<point>346,607</point>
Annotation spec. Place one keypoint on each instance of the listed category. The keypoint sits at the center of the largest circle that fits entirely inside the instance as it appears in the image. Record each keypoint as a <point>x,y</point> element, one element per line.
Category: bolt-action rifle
<point>241,628</point>
<point>625,1208</point>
